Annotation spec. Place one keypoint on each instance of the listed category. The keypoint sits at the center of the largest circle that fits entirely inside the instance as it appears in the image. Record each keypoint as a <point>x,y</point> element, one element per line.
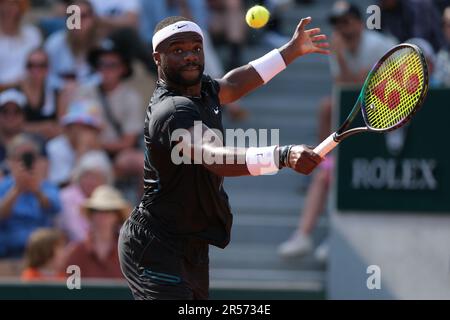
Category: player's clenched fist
<point>303,159</point>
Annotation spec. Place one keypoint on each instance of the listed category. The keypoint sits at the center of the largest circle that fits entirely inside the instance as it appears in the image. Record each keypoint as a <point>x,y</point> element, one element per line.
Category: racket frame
<point>419,103</point>
<point>330,143</point>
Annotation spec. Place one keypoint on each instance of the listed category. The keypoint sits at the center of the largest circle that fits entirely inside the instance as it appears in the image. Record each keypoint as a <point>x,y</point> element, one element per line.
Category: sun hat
<point>106,198</point>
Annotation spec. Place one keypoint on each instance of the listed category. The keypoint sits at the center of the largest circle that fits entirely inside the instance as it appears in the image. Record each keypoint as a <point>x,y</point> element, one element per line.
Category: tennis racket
<point>394,90</point>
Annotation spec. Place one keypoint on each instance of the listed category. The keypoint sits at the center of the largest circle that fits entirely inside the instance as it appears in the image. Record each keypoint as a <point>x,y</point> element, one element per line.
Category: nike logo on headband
<point>180,26</point>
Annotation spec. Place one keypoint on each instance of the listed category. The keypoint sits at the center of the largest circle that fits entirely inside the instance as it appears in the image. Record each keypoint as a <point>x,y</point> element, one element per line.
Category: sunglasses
<point>108,65</point>
<point>37,65</point>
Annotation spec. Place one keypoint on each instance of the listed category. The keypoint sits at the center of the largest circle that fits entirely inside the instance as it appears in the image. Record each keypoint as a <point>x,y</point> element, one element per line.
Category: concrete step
<point>264,230</point>
<point>264,257</point>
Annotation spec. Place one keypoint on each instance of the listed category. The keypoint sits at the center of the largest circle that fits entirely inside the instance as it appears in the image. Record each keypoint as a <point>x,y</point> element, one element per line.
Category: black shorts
<point>154,271</point>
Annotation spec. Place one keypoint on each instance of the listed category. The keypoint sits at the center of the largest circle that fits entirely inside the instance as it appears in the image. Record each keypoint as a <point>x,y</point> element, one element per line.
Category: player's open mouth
<point>191,68</point>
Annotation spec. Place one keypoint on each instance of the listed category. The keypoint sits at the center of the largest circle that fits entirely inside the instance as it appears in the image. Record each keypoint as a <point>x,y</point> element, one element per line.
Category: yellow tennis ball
<point>257,17</point>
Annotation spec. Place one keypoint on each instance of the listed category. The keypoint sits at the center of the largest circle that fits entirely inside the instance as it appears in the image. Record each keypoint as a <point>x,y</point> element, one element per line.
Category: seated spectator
<point>122,108</point>
<point>16,41</point>
<point>28,201</point>
<point>116,14</point>
<point>121,104</point>
<point>442,74</point>
<point>12,119</point>
<point>56,19</point>
<point>97,256</point>
<point>93,169</point>
<point>44,256</point>
<point>68,49</point>
<point>12,123</point>
<point>81,128</point>
<point>227,23</point>
<point>405,19</point>
<point>119,20</point>
<point>41,111</point>
<point>355,48</point>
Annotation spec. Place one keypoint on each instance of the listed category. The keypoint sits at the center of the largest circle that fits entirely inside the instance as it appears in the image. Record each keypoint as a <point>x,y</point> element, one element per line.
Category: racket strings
<point>394,89</point>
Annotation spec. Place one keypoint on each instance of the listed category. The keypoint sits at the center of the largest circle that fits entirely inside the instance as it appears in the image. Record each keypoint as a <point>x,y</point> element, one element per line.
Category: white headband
<point>177,27</point>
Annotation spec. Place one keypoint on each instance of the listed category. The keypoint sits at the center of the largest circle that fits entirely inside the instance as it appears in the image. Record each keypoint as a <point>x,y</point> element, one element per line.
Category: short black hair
<point>168,21</point>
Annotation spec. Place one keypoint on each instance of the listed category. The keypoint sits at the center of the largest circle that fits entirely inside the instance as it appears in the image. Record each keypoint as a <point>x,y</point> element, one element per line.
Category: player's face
<point>182,60</point>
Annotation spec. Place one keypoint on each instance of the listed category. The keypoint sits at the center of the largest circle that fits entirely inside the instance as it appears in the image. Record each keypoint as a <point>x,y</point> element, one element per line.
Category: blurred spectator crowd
<point>71,118</point>
<point>71,121</point>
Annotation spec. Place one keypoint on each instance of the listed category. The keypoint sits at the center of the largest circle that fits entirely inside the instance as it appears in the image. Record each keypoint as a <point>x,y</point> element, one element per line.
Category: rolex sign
<point>406,170</point>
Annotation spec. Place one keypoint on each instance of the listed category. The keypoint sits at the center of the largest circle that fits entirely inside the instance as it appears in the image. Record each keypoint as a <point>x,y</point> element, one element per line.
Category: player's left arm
<point>241,81</point>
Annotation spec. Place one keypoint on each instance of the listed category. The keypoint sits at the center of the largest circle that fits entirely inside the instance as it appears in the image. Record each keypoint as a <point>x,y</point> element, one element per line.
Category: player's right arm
<point>243,80</point>
<point>176,124</point>
<point>208,150</point>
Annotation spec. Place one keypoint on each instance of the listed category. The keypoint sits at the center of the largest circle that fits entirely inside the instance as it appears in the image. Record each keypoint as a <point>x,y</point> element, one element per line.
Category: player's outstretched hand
<point>303,159</point>
<point>310,40</point>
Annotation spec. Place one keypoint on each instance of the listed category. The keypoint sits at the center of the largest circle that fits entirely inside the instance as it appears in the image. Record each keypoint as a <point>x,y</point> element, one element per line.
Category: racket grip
<point>326,146</point>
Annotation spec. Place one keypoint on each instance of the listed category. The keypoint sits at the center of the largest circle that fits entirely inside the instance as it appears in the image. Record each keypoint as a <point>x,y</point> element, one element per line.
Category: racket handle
<point>326,146</point>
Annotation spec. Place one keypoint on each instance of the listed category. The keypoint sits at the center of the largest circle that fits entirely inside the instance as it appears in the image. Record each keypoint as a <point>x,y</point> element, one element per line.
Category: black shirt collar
<point>162,88</point>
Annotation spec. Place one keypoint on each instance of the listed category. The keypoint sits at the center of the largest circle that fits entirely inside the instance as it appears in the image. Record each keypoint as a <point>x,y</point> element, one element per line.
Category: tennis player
<point>163,246</point>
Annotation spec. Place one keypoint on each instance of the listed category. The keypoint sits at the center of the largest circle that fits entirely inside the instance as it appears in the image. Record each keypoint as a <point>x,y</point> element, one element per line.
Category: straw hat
<point>107,198</point>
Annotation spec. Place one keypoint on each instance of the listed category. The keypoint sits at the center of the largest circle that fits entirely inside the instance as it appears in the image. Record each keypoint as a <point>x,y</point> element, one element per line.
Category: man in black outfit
<point>163,246</point>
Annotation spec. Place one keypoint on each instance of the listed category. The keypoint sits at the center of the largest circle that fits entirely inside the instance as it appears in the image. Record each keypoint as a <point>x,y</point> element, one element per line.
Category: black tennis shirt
<point>184,201</point>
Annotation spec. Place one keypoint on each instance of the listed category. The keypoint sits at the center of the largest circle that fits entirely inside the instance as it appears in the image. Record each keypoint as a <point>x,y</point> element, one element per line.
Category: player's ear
<point>157,58</point>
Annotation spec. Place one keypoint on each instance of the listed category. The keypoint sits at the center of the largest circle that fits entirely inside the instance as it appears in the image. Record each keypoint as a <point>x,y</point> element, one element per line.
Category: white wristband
<point>269,65</point>
<point>261,160</point>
